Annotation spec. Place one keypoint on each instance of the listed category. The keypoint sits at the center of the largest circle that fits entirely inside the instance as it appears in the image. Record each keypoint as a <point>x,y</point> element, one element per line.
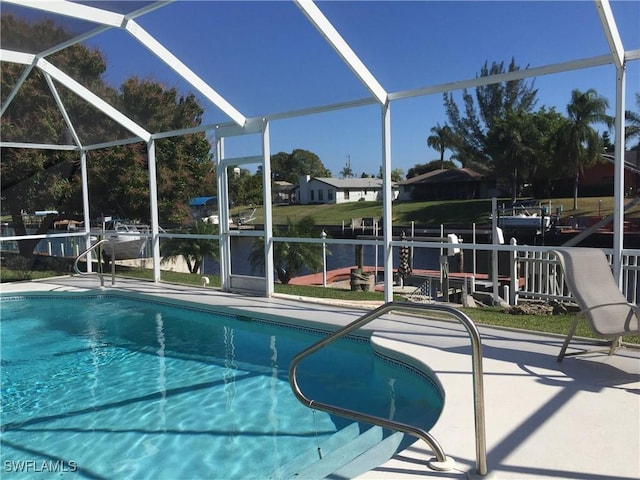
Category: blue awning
<point>202,201</point>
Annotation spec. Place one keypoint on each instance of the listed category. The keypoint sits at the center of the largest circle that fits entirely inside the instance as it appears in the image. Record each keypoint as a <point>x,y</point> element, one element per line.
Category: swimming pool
<point>109,386</point>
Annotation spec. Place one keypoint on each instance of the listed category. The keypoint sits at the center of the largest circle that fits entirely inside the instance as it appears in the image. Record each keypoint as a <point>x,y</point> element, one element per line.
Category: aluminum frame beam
<point>93,99</point>
<point>155,47</point>
<point>611,31</point>
<point>63,111</point>
<point>116,20</point>
<point>74,10</point>
<point>328,31</point>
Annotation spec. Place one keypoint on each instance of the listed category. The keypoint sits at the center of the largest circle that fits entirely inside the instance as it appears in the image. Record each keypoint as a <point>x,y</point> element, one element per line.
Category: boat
<point>526,217</point>
<point>524,221</point>
<point>127,240</point>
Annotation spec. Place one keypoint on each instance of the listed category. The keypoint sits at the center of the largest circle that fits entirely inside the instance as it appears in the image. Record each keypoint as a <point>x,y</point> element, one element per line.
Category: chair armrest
<point>632,306</point>
<point>612,304</point>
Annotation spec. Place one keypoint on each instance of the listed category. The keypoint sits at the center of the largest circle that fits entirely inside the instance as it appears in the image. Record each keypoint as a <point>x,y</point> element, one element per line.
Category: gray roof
<point>359,183</point>
<point>445,176</point>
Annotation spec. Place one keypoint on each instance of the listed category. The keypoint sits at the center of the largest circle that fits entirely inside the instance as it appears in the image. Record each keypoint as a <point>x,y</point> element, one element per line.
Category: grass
<point>435,212</point>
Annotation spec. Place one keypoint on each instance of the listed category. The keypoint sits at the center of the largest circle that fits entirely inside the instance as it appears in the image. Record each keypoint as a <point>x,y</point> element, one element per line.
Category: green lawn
<point>433,213</point>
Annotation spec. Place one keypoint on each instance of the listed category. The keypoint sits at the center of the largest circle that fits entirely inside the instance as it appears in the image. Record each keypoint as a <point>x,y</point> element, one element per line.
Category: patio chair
<point>588,275</point>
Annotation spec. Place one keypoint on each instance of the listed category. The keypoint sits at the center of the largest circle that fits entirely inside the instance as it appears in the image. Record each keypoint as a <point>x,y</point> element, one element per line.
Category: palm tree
<point>441,140</point>
<point>193,250</point>
<point>346,172</point>
<point>511,142</point>
<point>580,145</point>
<point>632,129</point>
<point>290,258</point>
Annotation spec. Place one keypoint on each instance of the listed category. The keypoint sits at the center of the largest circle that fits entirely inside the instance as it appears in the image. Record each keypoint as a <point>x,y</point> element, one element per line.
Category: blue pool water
<point>111,387</point>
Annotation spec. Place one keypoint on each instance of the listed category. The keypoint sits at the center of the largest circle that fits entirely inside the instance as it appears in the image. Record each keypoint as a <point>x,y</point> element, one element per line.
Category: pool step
<point>353,458</point>
<point>373,457</point>
<point>341,437</point>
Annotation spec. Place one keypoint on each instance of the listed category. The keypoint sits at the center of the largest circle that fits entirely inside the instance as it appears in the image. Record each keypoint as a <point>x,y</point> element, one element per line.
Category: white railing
<point>537,275</point>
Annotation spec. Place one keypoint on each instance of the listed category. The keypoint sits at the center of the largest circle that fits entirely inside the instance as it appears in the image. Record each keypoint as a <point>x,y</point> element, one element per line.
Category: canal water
<point>338,256</point>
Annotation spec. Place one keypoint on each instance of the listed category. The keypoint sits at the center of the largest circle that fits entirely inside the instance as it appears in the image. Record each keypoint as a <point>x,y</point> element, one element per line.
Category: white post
<point>85,208</point>
<point>474,250</point>
<point>413,234</point>
<point>515,277</point>
<point>223,216</point>
<point>153,197</point>
<point>386,202</point>
<point>375,275</point>
<point>618,176</point>
<point>494,251</point>
<point>324,258</point>
<point>268,211</point>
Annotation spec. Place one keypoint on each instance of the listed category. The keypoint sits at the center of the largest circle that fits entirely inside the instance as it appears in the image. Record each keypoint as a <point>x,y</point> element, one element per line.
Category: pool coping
<point>562,414</point>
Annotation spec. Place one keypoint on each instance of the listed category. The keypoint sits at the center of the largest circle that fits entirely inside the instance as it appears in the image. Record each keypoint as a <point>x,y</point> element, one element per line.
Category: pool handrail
<point>442,461</point>
<point>100,274</point>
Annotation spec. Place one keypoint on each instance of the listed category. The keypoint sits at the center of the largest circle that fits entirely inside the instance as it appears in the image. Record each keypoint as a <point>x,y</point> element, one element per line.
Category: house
<point>447,184</point>
<point>283,192</point>
<point>339,190</point>
<point>598,178</point>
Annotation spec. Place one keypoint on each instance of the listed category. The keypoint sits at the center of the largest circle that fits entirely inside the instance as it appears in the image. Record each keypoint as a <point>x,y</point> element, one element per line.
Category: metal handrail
<point>442,461</point>
<point>100,274</point>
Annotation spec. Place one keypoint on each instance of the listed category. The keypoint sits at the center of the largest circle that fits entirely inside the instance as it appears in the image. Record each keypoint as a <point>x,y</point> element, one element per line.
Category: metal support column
<point>618,175</point>
<point>268,217</point>
<point>85,207</point>
<point>153,198</point>
<point>387,197</point>
<point>223,216</point>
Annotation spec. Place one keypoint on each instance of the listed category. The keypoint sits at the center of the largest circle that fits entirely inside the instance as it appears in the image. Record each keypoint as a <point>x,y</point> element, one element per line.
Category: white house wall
<point>313,191</point>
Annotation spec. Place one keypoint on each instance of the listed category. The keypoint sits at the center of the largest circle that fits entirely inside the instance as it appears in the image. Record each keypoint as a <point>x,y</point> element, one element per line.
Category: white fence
<point>542,278</point>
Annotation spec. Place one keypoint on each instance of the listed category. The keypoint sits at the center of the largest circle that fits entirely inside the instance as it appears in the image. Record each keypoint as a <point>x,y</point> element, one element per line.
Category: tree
<point>632,129</point>
<point>548,167</point>
<point>118,177</point>
<point>397,174</point>
<point>607,146</point>
<point>441,140</point>
<point>420,169</point>
<point>512,143</point>
<point>289,167</point>
<point>46,179</point>
<point>493,101</point>
<point>184,163</point>
<point>290,258</point>
<point>579,144</point>
<point>192,250</point>
<point>246,189</point>
<point>346,172</point>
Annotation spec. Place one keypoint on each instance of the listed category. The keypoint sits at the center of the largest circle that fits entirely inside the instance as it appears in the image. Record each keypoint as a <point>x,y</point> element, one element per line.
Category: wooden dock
<point>416,278</point>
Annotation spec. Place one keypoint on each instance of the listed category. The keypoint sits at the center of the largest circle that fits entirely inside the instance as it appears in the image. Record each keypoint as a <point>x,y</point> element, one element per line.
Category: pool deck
<point>579,419</point>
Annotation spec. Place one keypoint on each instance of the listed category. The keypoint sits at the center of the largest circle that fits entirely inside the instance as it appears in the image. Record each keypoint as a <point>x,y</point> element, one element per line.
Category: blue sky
<point>265,57</point>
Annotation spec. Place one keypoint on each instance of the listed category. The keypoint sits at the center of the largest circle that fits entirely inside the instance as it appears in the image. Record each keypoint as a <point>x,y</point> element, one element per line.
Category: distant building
<point>339,190</point>
<point>447,184</point>
<point>202,207</point>
<point>283,192</point>
<point>598,178</point>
